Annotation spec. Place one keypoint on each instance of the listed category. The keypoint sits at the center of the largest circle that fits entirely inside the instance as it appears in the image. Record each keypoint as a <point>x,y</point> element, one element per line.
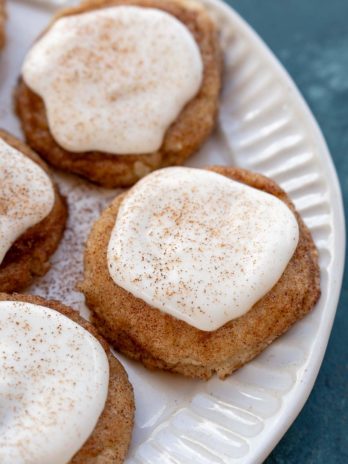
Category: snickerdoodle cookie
<point>2,23</point>
<point>114,89</point>
<point>66,397</point>
<point>33,215</point>
<point>197,271</point>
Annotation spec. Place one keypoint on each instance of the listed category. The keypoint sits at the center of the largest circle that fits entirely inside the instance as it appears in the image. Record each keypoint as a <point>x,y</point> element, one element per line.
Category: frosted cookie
<point>65,398</point>
<point>2,23</point>
<point>151,101</point>
<point>32,215</point>
<point>197,271</point>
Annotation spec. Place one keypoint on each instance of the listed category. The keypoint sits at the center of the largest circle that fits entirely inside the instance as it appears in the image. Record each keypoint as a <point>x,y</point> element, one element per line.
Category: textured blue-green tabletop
<point>310,38</point>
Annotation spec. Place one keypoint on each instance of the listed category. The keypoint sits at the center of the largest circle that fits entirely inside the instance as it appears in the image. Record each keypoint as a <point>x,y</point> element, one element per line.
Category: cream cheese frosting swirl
<point>26,195</point>
<point>199,246</point>
<point>114,79</point>
<point>54,384</point>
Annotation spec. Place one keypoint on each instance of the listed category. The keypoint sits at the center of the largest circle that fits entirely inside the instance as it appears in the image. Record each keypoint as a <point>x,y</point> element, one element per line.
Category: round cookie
<point>161,341</point>
<point>29,256</point>
<point>2,23</point>
<point>184,137</point>
<point>111,437</point>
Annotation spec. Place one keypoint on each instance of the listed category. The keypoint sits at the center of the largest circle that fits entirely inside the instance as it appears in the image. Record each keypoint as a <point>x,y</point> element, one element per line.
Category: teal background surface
<point>310,38</point>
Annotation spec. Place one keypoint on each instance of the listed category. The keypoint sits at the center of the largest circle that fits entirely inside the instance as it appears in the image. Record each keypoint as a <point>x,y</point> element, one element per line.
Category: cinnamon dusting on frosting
<point>52,369</point>
<point>114,79</point>
<point>26,195</point>
<point>199,246</point>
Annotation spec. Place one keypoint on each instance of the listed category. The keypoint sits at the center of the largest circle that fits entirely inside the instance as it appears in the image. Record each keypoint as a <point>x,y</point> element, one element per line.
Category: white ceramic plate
<point>264,126</point>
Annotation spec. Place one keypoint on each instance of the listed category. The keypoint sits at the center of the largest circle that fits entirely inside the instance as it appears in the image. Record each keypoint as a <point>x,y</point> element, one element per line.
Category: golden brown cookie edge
<point>3,17</point>
<point>29,255</point>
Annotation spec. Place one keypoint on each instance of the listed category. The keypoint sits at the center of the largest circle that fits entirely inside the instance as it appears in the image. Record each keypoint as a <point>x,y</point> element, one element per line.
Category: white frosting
<point>54,383</point>
<point>199,246</point>
<point>114,79</point>
<point>26,195</point>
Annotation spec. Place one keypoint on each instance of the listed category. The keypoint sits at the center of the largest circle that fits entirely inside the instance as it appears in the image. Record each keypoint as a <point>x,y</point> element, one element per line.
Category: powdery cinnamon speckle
<point>114,79</point>
<point>26,195</point>
<point>85,202</point>
<point>199,246</point>
<point>50,367</point>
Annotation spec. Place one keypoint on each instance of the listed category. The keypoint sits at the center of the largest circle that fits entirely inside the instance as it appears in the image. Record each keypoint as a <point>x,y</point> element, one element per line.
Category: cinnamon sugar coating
<point>111,437</point>
<point>29,256</point>
<point>161,341</point>
<point>184,137</point>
